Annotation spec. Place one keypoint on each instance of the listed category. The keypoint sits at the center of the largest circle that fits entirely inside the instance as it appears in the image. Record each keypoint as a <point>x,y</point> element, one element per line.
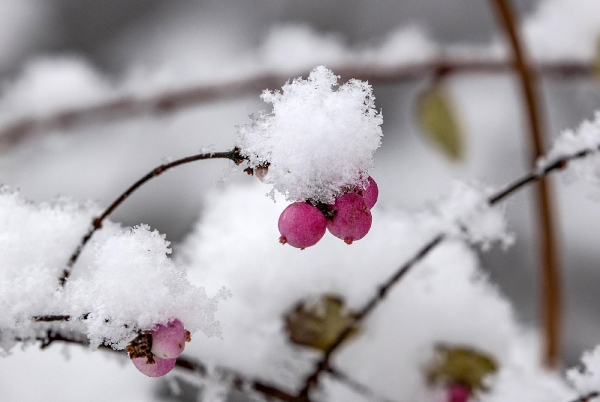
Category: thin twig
<point>550,272</point>
<point>323,365</point>
<point>587,397</point>
<point>171,101</point>
<point>356,386</point>
<point>233,155</point>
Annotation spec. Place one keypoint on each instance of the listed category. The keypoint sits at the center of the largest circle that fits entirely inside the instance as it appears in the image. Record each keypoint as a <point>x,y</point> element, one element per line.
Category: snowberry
<point>159,368</point>
<point>301,225</point>
<point>370,193</point>
<point>352,219</point>
<point>458,393</point>
<point>168,341</point>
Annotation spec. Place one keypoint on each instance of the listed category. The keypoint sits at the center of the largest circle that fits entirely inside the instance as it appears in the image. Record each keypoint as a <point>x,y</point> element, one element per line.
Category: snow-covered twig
<point>170,101</point>
<point>324,363</point>
<point>233,155</point>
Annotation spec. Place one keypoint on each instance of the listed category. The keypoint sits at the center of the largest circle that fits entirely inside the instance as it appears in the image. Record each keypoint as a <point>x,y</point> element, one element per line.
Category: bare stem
<point>171,101</point>
<point>233,155</point>
<point>323,365</point>
<point>549,269</point>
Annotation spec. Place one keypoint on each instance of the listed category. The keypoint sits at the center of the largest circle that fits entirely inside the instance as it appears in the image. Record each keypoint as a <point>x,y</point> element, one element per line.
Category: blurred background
<point>58,55</point>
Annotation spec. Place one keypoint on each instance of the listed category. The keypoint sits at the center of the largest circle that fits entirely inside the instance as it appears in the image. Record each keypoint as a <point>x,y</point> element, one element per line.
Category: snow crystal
<point>586,378</point>
<point>465,212</point>
<point>318,139</point>
<point>571,142</point>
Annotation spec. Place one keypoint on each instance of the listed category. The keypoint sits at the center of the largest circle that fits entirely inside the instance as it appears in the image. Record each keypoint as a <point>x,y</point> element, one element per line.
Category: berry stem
<point>233,155</point>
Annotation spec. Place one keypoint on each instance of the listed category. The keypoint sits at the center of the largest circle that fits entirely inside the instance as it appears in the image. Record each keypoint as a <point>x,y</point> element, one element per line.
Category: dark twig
<point>233,155</point>
<point>587,397</point>
<point>323,365</point>
<point>550,272</point>
<point>171,101</point>
<point>356,386</point>
<point>185,363</point>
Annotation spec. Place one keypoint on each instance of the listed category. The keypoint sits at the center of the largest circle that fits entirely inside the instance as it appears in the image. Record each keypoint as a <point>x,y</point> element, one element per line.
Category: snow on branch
<point>170,101</point>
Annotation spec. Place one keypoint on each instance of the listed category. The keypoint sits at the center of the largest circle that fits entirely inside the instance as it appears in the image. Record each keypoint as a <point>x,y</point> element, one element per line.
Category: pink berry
<point>458,393</point>
<point>159,368</point>
<point>168,341</point>
<point>352,220</point>
<point>301,225</point>
<point>370,193</point>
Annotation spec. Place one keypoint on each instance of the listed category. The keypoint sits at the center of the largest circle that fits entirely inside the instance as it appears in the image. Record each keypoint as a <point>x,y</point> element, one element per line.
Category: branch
<point>171,101</point>
<point>356,386</point>
<point>233,155</point>
<point>587,397</point>
<point>551,287</point>
<point>323,365</point>
<point>185,363</point>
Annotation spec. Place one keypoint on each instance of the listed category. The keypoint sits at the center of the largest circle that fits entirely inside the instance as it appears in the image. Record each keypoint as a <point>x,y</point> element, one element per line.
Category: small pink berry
<point>159,368</point>
<point>352,219</point>
<point>458,393</point>
<point>370,193</point>
<point>168,341</point>
<point>301,225</point>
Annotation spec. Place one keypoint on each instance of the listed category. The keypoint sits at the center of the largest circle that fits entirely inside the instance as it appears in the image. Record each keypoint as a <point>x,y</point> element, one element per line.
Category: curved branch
<point>324,364</point>
<point>171,101</point>
<point>233,155</point>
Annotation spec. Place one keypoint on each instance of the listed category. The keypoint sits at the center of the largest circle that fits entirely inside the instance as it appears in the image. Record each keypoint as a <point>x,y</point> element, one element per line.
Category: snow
<point>124,282</point>
<point>318,139</point>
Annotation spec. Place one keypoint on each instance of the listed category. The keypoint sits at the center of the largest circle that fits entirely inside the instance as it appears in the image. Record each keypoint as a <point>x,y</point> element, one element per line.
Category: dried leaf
<point>438,121</point>
<point>318,323</point>
<point>462,365</point>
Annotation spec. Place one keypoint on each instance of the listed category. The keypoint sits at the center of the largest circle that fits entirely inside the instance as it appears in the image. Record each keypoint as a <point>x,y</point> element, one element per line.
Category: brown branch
<point>549,268</point>
<point>323,365</point>
<point>171,101</point>
<point>233,155</point>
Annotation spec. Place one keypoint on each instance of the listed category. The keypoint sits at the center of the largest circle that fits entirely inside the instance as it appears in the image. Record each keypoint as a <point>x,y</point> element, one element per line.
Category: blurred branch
<point>238,381</point>
<point>356,386</point>
<point>233,155</point>
<point>548,259</point>
<point>587,397</point>
<point>171,101</point>
<point>323,365</point>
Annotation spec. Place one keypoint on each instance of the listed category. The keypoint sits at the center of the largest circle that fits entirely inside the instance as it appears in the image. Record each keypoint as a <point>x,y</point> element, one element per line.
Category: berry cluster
<point>303,224</point>
<point>167,343</point>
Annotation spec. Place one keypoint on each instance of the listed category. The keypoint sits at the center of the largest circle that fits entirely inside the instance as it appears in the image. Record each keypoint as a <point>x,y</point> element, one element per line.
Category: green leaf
<point>318,323</point>
<point>438,121</point>
<point>462,365</point>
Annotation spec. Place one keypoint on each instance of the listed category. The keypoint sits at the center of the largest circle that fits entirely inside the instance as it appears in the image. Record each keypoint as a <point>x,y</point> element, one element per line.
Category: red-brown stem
<point>549,269</point>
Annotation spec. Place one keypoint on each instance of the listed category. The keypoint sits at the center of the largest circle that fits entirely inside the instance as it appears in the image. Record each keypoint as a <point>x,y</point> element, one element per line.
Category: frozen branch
<point>587,397</point>
<point>171,101</point>
<point>233,155</point>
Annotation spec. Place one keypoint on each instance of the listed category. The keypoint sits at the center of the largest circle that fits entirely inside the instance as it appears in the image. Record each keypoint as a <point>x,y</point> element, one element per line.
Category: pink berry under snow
<point>370,193</point>
<point>168,341</point>
<point>159,368</point>
<point>352,219</point>
<point>301,225</point>
<point>458,393</point>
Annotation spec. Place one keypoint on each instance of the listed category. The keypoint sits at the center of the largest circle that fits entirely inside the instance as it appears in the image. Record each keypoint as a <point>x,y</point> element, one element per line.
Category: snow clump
<point>318,139</point>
